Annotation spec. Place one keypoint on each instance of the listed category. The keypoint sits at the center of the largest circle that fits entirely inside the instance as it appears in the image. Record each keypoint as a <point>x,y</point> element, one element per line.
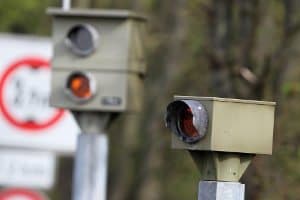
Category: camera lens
<point>185,120</point>
<point>82,39</point>
<point>80,87</point>
<point>188,119</point>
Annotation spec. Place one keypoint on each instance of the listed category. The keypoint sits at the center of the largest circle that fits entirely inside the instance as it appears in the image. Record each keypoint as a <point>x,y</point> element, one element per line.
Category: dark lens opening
<point>185,122</point>
<point>81,38</point>
<point>188,119</point>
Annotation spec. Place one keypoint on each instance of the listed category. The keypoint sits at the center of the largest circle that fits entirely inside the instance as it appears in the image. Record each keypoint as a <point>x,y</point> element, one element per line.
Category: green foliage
<point>26,16</point>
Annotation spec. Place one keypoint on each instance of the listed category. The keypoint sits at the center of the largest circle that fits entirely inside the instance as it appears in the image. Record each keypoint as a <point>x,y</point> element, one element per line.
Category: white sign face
<point>26,119</point>
<point>27,169</point>
<point>26,98</point>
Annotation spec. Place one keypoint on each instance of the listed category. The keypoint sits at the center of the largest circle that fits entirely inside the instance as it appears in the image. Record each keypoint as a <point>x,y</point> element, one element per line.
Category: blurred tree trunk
<point>173,26</point>
<point>233,26</point>
<point>82,3</point>
<point>63,183</point>
<point>124,145</point>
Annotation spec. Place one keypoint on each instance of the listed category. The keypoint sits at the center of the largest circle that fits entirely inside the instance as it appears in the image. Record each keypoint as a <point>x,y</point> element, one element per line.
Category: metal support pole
<point>215,190</point>
<point>66,4</point>
<point>90,174</point>
<point>91,167</point>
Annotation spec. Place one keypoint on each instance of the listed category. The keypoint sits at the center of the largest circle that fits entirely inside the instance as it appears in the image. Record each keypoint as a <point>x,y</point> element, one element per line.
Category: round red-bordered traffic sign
<point>34,62</point>
<point>20,193</point>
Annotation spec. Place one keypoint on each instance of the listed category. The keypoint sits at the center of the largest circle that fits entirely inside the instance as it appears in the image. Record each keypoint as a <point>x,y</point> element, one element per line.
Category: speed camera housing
<point>104,49</point>
<point>229,125</point>
<point>222,135</point>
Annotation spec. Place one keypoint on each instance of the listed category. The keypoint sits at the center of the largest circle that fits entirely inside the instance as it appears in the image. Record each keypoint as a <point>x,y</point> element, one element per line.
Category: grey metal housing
<point>117,64</point>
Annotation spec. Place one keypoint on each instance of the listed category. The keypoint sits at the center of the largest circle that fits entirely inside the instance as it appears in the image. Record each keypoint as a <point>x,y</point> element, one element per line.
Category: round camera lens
<point>79,86</point>
<point>81,39</point>
<point>186,123</point>
<point>188,119</point>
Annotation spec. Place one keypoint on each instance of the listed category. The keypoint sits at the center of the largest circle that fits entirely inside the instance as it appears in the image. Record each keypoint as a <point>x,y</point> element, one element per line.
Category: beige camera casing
<point>234,125</point>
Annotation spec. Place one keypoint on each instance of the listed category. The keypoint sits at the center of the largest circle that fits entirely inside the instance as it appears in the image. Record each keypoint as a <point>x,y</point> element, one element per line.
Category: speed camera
<point>221,134</point>
<point>219,124</point>
<point>98,62</point>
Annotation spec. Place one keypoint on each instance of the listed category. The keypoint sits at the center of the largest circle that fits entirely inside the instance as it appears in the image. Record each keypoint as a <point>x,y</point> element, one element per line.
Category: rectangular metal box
<point>235,125</point>
<point>117,65</point>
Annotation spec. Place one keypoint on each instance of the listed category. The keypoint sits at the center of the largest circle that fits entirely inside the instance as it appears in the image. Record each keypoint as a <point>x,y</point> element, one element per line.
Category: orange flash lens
<point>186,123</point>
<point>79,85</point>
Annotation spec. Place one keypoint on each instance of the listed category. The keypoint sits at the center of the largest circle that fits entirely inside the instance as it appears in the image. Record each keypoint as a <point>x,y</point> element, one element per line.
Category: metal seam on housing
<point>177,97</point>
<point>100,13</point>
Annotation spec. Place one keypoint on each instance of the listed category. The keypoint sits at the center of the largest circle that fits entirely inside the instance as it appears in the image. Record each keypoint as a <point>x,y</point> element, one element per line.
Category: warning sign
<point>26,119</point>
<point>23,99</point>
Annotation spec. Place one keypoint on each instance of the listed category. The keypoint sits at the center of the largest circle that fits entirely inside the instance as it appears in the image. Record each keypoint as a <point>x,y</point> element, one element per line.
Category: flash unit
<point>80,86</point>
<point>188,119</point>
<point>82,39</point>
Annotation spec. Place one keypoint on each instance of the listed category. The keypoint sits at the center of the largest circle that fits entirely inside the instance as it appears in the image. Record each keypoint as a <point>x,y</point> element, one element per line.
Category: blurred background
<point>227,48</point>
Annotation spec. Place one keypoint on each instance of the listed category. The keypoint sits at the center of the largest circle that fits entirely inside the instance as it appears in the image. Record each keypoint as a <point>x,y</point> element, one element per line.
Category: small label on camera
<point>111,101</point>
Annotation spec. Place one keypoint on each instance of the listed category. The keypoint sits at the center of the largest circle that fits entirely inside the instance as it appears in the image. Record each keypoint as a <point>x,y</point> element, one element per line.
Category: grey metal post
<point>66,4</point>
<point>90,173</point>
<point>216,190</point>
